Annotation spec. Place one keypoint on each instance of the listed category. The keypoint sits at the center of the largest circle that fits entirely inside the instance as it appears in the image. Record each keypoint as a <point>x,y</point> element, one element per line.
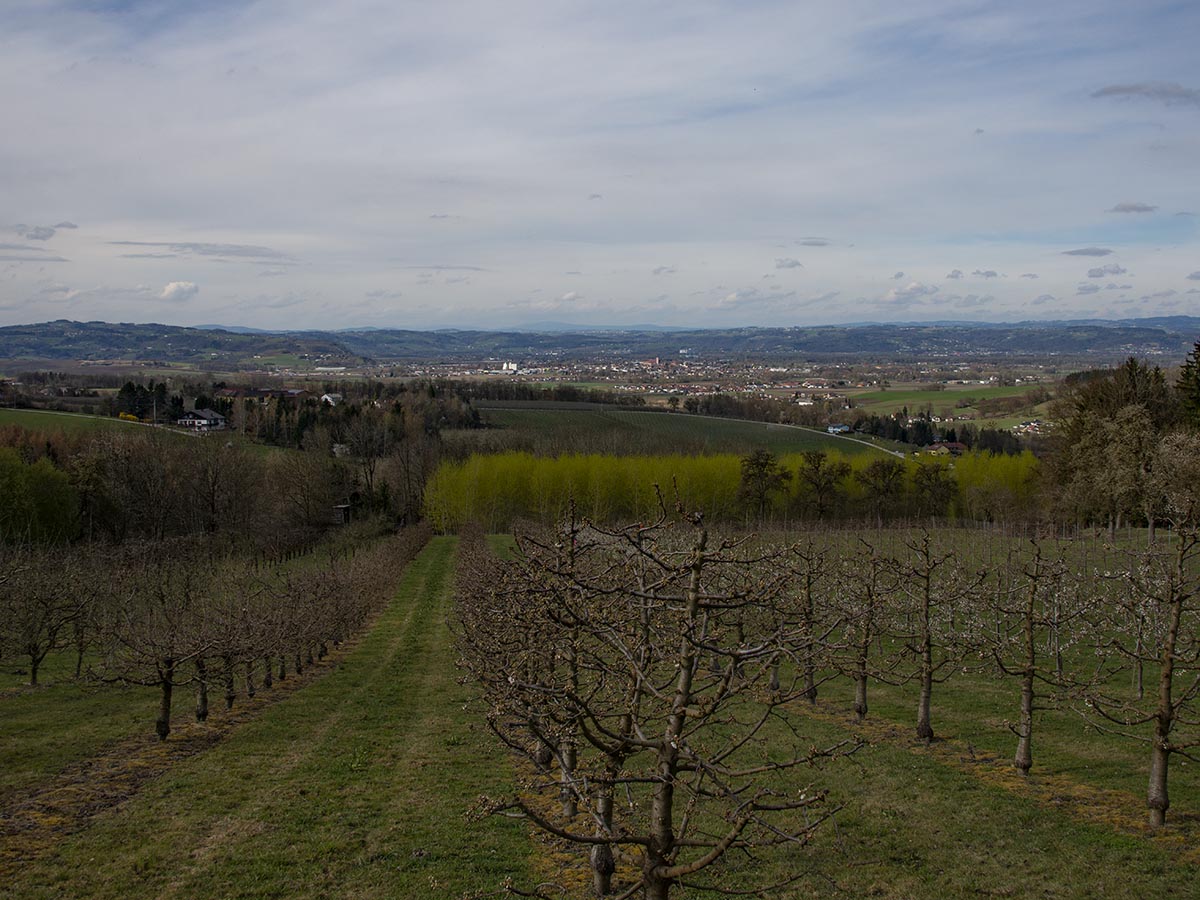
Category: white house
<point>202,420</point>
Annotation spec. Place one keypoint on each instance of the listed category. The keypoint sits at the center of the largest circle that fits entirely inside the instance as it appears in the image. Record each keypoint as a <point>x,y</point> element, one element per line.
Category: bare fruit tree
<point>1162,596</point>
<point>655,652</point>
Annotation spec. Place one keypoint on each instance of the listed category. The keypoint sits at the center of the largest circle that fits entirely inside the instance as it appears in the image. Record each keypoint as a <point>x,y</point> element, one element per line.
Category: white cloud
<point>788,263</point>
<point>1109,269</point>
<point>913,291</point>
<point>178,291</point>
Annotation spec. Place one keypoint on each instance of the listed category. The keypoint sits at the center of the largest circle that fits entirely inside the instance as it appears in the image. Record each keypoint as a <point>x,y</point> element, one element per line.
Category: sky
<point>473,164</point>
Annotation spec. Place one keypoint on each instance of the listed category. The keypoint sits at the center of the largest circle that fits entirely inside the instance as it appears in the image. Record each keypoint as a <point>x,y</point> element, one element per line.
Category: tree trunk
<point>1157,798</point>
<point>1024,756</point>
<point>283,668</point>
<point>603,866</point>
<point>201,691</point>
<point>924,720</point>
<point>162,726</point>
<point>661,846</point>
<point>250,679</point>
<point>810,668</point>
<point>35,662</point>
<point>860,695</point>
<point>227,678</point>
<point>566,791</point>
<point>267,682</point>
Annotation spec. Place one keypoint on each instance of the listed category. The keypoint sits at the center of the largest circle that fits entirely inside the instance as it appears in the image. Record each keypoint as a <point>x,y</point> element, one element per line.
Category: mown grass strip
<point>356,786</point>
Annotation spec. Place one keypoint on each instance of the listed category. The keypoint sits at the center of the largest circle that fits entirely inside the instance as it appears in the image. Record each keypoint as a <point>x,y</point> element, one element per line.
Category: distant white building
<point>202,420</point>
<point>331,399</point>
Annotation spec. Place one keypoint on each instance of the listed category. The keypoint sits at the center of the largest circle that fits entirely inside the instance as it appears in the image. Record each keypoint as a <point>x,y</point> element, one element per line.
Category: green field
<point>357,784</point>
<point>946,402</point>
<point>622,432</point>
<point>47,420</point>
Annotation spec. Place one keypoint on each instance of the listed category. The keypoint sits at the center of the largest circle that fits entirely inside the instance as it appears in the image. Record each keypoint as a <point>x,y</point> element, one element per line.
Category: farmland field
<point>622,431</point>
<point>956,400</point>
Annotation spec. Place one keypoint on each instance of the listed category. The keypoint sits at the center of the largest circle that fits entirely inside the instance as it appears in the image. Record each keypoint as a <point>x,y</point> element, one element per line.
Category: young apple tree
<point>655,650</point>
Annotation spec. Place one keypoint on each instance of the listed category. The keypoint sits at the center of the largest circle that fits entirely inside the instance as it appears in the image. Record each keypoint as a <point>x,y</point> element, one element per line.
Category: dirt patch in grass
<point>34,820</point>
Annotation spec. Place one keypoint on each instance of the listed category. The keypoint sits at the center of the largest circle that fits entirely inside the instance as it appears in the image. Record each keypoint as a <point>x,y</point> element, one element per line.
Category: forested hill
<point>1171,337</point>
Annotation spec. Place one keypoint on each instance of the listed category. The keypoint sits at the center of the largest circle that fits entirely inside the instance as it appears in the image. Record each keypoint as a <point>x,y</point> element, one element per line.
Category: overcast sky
<point>479,164</point>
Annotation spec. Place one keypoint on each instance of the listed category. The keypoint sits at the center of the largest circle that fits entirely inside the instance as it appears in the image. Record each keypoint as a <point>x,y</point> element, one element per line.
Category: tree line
<point>189,612</point>
<point>499,489</point>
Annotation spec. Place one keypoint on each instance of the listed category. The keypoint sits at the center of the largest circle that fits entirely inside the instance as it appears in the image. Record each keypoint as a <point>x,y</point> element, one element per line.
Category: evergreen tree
<point>1188,387</point>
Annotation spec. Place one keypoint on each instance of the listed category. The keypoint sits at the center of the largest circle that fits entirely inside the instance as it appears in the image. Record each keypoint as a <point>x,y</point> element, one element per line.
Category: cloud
<point>788,263</point>
<point>663,270</point>
<point>988,273</point>
<point>595,196</point>
<point>814,242</point>
<point>29,256</point>
<point>753,297</point>
<point>973,301</point>
<point>979,131</point>
<point>897,276</point>
<point>1088,251</point>
<point>1133,208</point>
<point>1108,269</point>
<point>446,268</point>
<point>1029,275</point>
<point>240,251</point>
<point>912,292</point>
<point>570,297</point>
<point>1043,299</point>
<point>1113,286</point>
<point>35,232</point>
<point>1167,92</point>
<point>1160,295</point>
<point>1087,289</point>
<point>65,224</point>
<point>955,274</point>
<point>179,291</point>
<point>1195,276</point>
<point>383,295</point>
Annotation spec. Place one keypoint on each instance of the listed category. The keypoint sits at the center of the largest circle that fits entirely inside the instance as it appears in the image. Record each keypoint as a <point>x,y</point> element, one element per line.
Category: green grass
<point>62,720</point>
<point>47,420</point>
<point>623,432</point>
<point>355,786</point>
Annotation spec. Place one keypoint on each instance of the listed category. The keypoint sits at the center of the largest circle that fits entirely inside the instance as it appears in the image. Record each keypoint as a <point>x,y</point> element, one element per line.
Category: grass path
<point>355,786</point>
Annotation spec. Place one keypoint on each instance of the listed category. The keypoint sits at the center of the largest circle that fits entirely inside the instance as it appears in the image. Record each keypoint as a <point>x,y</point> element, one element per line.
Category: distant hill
<point>1171,337</point>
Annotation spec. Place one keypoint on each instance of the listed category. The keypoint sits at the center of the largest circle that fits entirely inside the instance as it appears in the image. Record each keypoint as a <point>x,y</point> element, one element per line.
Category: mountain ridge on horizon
<point>64,339</point>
